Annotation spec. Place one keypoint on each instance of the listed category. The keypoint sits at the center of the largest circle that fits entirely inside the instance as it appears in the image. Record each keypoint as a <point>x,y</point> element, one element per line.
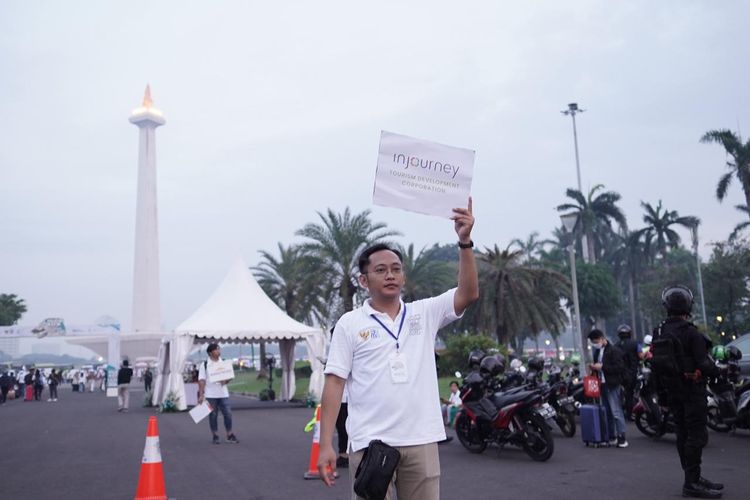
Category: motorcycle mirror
<point>458,375</point>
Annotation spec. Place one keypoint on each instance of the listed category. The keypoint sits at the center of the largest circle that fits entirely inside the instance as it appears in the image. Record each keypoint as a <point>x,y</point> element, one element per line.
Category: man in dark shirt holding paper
<point>124,374</point>
<point>384,353</point>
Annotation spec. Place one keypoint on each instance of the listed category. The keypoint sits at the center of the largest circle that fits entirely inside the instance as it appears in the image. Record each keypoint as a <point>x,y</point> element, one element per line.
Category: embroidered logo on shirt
<point>415,324</point>
<point>368,333</point>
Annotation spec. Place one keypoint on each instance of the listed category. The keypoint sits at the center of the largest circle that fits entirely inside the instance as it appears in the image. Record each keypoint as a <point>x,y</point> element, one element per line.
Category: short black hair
<point>454,382</point>
<point>364,257</point>
<point>212,347</point>
<point>596,334</point>
<point>125,362</point>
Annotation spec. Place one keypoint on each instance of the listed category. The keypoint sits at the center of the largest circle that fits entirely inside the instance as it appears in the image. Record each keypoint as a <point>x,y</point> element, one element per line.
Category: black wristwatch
<point>470,244</point>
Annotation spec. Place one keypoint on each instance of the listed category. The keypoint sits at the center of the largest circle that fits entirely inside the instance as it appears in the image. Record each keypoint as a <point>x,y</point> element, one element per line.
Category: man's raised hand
<point>463,222</point>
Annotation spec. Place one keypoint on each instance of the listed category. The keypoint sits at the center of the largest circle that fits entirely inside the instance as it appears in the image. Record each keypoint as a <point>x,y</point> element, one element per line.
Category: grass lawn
<point>247,382</point>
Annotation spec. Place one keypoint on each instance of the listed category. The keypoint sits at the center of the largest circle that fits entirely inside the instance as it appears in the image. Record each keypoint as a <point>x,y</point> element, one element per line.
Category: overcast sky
<point>274,111</point>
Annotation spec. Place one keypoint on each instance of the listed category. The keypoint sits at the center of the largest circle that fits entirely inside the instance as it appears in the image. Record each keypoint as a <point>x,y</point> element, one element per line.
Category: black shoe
<point>710,485</point>
<point>697,490</point>
<point>232,439</point>
<point>216,439</point>
<point>342,463</point>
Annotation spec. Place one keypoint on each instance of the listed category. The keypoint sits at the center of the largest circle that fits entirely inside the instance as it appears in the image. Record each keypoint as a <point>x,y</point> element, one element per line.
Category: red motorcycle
<point>517,417</point>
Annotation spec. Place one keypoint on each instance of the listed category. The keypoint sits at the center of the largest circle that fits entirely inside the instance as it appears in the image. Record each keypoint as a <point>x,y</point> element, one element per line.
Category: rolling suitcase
<point>594,430</point>
<point>29,396</point>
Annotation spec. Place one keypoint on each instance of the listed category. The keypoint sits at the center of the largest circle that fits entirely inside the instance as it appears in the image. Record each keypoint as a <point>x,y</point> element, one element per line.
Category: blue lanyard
<point>400,326</point>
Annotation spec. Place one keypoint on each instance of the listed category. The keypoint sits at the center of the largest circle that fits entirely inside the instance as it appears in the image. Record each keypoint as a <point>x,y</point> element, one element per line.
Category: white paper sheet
<point>200,412</point>
<point>422,176</point>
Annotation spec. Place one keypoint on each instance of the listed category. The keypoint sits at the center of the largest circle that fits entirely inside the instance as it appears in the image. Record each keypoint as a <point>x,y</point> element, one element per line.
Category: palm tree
<point>738,164</point>
<point>658,235</point>
<point>595,214</point>
<point>742,225</point>
<point>337,242</point>
<point>425,277</point>
<point>292,283</point>
<point>532,247</point>
<point>518,297</point>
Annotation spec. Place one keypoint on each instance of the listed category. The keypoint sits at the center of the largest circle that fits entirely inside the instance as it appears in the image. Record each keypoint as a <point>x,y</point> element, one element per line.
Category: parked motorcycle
<point>555,393</point>
<point>514,417</point>
<point>650,418</point>
<point>728,393</point>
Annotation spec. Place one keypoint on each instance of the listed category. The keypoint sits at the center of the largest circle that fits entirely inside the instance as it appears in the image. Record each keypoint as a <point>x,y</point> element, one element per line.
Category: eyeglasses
<point>383,270</point>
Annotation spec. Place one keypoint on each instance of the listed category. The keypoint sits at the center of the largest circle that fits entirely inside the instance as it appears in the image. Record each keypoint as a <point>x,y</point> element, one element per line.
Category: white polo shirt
<point>399,414</point>
<point>213,389</point>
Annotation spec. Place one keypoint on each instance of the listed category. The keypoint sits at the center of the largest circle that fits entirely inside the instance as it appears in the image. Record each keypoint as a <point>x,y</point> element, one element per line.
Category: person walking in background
<point>148,377</point>
<point>52,381</point>
<point>609,364</point>
<point>38,384</point>
<point>124,374</point>
<point>5,383</point>
<point>217,395</point>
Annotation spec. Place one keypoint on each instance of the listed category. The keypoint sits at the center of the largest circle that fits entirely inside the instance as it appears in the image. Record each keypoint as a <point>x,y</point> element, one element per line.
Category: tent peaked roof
<point>239,309</point>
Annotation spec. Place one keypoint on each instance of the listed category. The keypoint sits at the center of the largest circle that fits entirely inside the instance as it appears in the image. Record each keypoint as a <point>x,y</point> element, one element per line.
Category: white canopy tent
<point>238,311</point>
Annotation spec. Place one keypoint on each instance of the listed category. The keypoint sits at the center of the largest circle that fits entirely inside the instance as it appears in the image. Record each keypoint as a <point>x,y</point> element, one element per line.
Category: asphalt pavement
<point>81,447</point>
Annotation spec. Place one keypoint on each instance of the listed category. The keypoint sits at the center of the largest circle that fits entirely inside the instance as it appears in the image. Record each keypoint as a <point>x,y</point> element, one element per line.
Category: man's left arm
<point>468,281</point>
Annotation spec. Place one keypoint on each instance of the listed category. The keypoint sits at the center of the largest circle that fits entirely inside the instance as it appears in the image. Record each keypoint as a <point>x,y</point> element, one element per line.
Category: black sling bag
<point>376,470</point>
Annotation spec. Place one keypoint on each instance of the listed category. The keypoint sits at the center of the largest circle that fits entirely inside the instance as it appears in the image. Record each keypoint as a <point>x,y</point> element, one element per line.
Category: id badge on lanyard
<point>396,361</point>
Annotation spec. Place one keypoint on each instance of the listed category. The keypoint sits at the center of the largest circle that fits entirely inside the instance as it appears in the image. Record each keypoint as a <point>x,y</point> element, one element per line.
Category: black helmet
<point>475,357</point>
<point>492,366</point>
<point>733,353</point>
<point>536,364</point>
<point>624,331</point>
<point>677,300</point>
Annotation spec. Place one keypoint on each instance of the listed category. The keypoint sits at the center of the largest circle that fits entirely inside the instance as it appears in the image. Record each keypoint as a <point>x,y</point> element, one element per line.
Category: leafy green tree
<point>12,309</point>
<point>738,162</point>
<point>517,297</point>
<point>598,293</point>
<point>457,350</point>
<point>658,235</point>
<point>596,211</point>
<point>742,225</point>
<point>425,277</point>
<point>725,279</point>
<point>337,241</point>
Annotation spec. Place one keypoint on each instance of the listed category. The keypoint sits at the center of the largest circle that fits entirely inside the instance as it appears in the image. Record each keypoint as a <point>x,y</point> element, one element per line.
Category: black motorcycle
<point>555,393</point>
<point>650,418</point>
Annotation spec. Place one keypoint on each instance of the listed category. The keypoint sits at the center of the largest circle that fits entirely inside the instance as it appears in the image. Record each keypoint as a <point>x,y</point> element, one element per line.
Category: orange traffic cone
<point>151,479</point>
<point>312,469</point>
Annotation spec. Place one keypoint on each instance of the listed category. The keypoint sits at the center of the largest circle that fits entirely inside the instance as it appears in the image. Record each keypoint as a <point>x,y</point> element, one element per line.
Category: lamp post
<point>572,110</point>
<point>694,233</point>
<point>569,222</point>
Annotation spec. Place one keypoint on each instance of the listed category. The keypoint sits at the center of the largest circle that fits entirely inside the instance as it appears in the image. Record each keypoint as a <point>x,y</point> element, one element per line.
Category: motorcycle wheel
<point>538,442</point>
<point>567,424</point>
<point>715,422</point>
<point>468,435</point>
<point>641,422</point>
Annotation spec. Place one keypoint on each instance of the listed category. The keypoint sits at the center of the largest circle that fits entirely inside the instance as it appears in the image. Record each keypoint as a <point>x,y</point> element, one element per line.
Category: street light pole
<point>569,223</point>
<point>572,111</point>
<point>700,273</point>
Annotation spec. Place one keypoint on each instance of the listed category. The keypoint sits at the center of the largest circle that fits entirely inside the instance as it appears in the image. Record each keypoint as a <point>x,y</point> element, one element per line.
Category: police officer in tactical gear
<point>682,364</point>
<point>629,348</point>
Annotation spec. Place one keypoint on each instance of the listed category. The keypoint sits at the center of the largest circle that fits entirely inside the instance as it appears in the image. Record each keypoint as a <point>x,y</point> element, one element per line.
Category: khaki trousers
<point>123,396</point>
<point>417,476</point>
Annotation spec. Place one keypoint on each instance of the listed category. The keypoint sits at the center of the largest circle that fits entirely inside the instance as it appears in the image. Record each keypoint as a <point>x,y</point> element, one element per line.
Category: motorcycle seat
<point>502,399</point>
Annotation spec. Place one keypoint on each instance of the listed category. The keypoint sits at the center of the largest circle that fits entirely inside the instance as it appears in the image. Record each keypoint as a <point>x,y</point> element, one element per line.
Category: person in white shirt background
<point>384,353</point>
<point>452,404</point>
<point>217,395</point>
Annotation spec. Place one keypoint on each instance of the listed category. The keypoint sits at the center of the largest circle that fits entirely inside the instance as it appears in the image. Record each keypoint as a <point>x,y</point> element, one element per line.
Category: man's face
<point>454,388</point>
<point>384,276</point>
<point>215,354</point>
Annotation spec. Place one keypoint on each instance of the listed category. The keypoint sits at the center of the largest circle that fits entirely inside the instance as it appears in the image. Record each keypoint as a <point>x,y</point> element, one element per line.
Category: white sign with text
<point>422,176</point>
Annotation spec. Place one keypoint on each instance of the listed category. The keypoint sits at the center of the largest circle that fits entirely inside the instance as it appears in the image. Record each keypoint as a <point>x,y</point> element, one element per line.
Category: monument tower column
<point>146,296</point>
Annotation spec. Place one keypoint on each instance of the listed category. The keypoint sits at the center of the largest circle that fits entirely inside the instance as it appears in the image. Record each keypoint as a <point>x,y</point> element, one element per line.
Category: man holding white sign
<point>384,353</point>
<point>212,386</point>
<point>422,176</point>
